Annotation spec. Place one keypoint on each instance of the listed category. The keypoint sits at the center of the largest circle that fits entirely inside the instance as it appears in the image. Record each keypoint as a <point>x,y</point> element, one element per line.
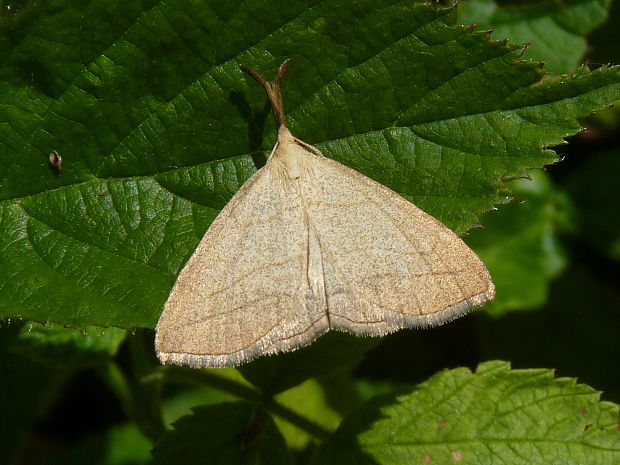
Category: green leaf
<point>228,433</point>
<point>193,388</point>
<point>520,246</point>
<point>158,127</point>
<point>496,415</point>
<point>64,347</point>
<point>556,30</point>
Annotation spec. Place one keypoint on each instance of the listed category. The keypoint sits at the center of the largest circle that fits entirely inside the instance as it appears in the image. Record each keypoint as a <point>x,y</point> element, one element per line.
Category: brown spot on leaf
<point>457,456</point>
<point>441,425</point>
<point>426,458</point>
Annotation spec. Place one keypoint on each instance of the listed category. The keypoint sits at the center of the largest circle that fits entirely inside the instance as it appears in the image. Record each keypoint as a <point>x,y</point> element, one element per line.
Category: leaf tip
<point>521,51</point>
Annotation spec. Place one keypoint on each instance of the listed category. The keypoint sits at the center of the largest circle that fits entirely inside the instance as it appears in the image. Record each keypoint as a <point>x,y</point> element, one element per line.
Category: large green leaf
<point>158,127</point>
<point>495,415</point>
<point>556,30</point>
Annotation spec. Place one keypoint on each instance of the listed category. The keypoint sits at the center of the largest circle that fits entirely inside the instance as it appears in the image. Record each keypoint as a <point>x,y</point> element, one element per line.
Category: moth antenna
<point>273,90</point>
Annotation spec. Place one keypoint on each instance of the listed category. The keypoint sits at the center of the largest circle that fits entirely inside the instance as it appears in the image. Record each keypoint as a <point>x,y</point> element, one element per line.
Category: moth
<point>308,245</point>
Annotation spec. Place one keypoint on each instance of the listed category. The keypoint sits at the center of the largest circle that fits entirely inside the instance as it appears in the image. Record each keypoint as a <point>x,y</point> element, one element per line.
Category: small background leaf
<point>26,387</point>
<point>230,433</point>
<point>182,395</point>
<point>310,400</point>
<point>53,344</point>
<point>556,30</point>
<point>520,244</point>
<point>36,362</point>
